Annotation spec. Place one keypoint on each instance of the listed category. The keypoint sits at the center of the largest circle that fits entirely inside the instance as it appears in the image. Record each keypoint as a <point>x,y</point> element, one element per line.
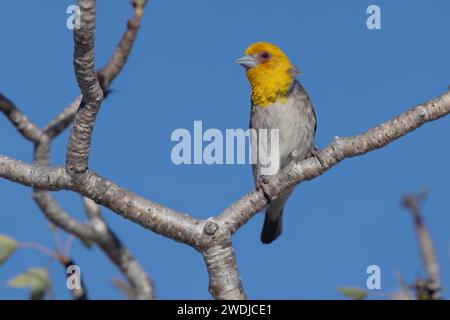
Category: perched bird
<point>278,101</point>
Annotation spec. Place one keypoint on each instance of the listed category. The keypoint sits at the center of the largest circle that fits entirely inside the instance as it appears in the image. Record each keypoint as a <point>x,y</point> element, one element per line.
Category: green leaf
<point>37,279</point>
<point>7,247</point>
<point>353,293</point>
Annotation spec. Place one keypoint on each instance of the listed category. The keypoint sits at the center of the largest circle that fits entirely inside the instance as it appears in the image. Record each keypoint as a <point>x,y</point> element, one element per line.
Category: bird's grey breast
<point>295,120</point>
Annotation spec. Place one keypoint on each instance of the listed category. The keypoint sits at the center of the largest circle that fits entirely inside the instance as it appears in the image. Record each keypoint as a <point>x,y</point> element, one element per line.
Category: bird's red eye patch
<point>264,56</point>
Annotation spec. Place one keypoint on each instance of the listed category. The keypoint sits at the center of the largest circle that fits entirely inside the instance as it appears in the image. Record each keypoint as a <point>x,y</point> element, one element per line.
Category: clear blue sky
<point>183,69</point>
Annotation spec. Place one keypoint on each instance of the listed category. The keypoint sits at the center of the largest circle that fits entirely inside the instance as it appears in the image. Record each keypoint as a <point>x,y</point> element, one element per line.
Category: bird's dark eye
<point>264,56</point>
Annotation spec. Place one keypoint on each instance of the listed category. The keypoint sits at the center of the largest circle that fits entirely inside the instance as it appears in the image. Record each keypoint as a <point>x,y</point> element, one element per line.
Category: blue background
<point>182,69</point>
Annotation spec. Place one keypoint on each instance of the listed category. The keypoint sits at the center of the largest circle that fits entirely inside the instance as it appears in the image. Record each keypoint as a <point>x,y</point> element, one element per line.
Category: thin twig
<point>412,202</point>
<point>27,128</point>
<point>39,247</point>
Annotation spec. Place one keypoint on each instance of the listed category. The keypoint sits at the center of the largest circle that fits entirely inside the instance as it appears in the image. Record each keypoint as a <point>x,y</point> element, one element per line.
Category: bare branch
<point>92,210</point>
<point>62,120</point>
<point>107,240</point>
<point>81,134</point>
<point>39,247</point>
<point>56,215</point>
<point>97,230</point>
<point>115,64</point>
<point>160,219</point>
<point>28,129</point>
<point>106,75</point>
<point>224,280</point>
<point>428,254</point>
<point>45,178</point>
<point>45,201</point>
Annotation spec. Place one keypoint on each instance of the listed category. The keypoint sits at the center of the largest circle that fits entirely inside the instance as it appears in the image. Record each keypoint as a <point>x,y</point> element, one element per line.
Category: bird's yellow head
<point>269,72</point>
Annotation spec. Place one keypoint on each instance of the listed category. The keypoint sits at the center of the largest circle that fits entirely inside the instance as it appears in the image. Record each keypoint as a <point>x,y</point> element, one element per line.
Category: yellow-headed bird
<point>278,102</point>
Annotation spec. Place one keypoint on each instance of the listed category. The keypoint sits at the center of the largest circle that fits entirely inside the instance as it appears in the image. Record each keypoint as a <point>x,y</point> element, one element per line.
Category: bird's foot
<point>263,184</point>
<point>315,153</point>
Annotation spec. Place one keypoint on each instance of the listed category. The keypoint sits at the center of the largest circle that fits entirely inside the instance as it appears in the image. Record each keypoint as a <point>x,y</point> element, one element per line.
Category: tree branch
<point>97,230</point>
<point>81,134</point>
<point>120,56</point>
<point>28,129</point>
<point>139,281</point>
<point>106,75</point>
<point>224,280</point>
<point>428,254</point>
<point>341,148</point>
<point>45,178</point>
<point>62,120</point>
<point>212,237</point>
<point>150,215</point>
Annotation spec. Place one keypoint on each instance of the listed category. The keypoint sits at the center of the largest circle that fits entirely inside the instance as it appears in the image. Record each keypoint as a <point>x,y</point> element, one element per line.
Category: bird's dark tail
<point>272,228</point>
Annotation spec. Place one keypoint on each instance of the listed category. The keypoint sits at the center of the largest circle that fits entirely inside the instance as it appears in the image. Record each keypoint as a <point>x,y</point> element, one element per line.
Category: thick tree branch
<point>48,205</point>
<point>45,178</point>
<point>96,231</point>
<point>160,219</point>
<point>224,280</point>
<point>81,134</point>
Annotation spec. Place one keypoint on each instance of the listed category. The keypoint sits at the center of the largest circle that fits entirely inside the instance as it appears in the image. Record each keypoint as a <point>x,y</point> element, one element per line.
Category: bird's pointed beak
<point>247,61</point>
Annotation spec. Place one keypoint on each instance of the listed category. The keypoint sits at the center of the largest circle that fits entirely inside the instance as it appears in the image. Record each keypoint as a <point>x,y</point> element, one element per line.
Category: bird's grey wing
<point>253,147</point>
<point>307,123</point>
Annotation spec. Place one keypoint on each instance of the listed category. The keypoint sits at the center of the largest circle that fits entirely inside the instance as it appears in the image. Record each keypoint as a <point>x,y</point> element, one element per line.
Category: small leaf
<point>36,279</point>
<point>353,293</point>
<point>7,247</point>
